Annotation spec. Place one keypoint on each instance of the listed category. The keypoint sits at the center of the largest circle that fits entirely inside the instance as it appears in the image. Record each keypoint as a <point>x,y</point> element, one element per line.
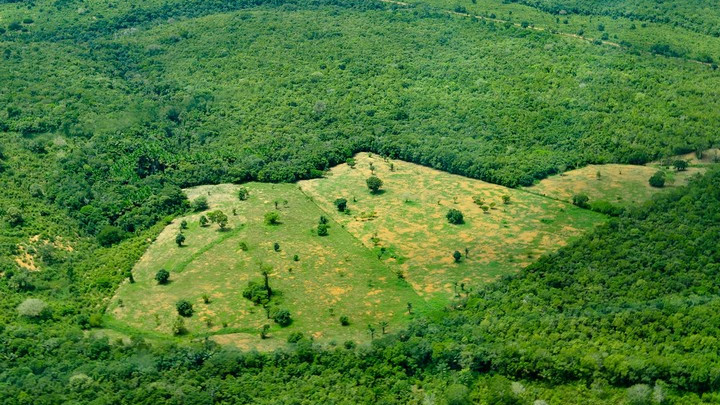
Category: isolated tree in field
<point>680,165</point>
<point>467,251</point>
<point>455,217</point>
<point>457,256</point>
<point>264,330</point>
<point>180,239</point>
<point>371,329</point>
<point>322,230</point>
<point>344,320</point>
<point>351,162</point>
<point>506,199</point>
<point>341,204</point>
<point>272,218</point>
<point>409,308</point>
<point>183,224</point>
<point>200,204</point>
<point>243,194</point>
<point>478,200</point>
<point>657,179</point>
<point>219,218</point>
<point>184,308</point>
<point>374,183</point>
<point>323,219</point>
<point>178,326</point>
<point>276,247</point>
<point>162,276</point>
<point>204,221</point>
<point>581,200</point>
<point>383,326</point>
<point>282,317</point>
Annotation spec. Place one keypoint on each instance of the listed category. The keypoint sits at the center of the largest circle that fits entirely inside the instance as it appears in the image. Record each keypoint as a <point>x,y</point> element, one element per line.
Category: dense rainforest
<point>108,109</point>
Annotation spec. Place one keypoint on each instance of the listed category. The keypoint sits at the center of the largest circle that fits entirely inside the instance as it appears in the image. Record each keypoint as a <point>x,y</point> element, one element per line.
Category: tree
<point>32,308</point>
<point>14,217</point>
<point>323,219</point>
<point>383,326</point>
<point>276,247</point>
<point>200,204</point>
<point>457,394</point>
<point>183,224</point>
<point>506,199</point>
<point>110,235</point>
<point>265,271</point>
<point>341,204</point>
<point>282,317</point>
<point>371,329</point>
<point>657,180</point>
<point>455,217</point>
<point>264,330</point>
<point>344,320</point>
<point>322,230</point>
<point>374,183</point>
<point>243,194</point>
<point>204,221</point>
<point>178,326</point>
<point>457,256</point>
<point>680,165</point>
<point>295,337</point>
<point>409,308</point>
<point>272,218</point>
<point>581,200</point>
<point>180,239</point>
<point>184,308</point>
<point>219,218</point>
<point>162,276</point>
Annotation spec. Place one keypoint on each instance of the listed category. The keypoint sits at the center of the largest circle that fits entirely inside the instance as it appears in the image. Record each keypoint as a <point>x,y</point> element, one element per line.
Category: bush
<point>282,317</point>
<point>178,327</point>
<point>162,276</point>
<point>322,230</point>
<point>344,320</point>
<point>295,337</point>
<point>32,308</point>
<point>272,218</point>
<point>581,200</point>
<point>243,194</point>
<point>14,217</point>
<point>374,183</point>
<point>110,235</point>
<point>457,256</point>
<point>341,204</point>
<point>455,217</point>
<point>184,308</point>
<point>657,180</point>
<point>200,204</point>
<point>256,292</point>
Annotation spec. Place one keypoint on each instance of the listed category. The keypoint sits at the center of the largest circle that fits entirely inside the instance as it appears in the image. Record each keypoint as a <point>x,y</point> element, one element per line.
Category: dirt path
<point>534,28</point>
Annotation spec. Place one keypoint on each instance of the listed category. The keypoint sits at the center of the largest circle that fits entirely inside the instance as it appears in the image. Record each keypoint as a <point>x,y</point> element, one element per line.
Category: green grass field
<point>390,249</point>
<point>408,220</point>
<point>335,275</point>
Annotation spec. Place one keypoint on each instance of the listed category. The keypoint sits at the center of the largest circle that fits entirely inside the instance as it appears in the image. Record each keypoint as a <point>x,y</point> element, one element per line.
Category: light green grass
<point>336,275</point>
<point>410,223</point>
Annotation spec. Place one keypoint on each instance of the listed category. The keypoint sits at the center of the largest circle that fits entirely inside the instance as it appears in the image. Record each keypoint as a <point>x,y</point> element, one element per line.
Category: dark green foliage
<point>14,217</point>
<point>680,165</point>
<point>180,239</point>
<point>657,179</point>
<point>276,247</point>
<point>344,320</point>
<point>455,217</point>
<point>282,317</point>
<point>110,235</point>
<point>323,219</point>
<point>457,256</point>
<point>184,308</point>
<point>204,221</point>
<point>322,230</point>
<point>162,276</point>
<point>218,217</point>
<point>581,200</point>
<point>256,292</point>
<point>374,183</point>
<point>295,337</point>
<point>243,193</point>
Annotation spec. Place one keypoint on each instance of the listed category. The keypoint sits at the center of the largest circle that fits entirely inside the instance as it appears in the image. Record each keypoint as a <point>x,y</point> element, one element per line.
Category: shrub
<point>32,308</point>
<point>657,180</point>
<point>341,204</point>
<point>374,183</point>
<point>243,246</point>
<point>282,317</point>
<point>162,276</point>
<point>344,320</point>
<point>14,217</point>
<point>243,194</point>
<point>457,256</point>
<point>178,327</point>
<point>581,200</point>
<point>295,337</point>
<point>256,292</point>
<point>276,247</point>
<point>455,217</point>
<point>272,218</point>
<point>180,239</point>
<point>184,308</point>
<point>322,230</point>
<point>200,204</point>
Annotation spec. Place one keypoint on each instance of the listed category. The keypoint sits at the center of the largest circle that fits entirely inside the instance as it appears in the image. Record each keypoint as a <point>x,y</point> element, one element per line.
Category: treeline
<point>694,15</point>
